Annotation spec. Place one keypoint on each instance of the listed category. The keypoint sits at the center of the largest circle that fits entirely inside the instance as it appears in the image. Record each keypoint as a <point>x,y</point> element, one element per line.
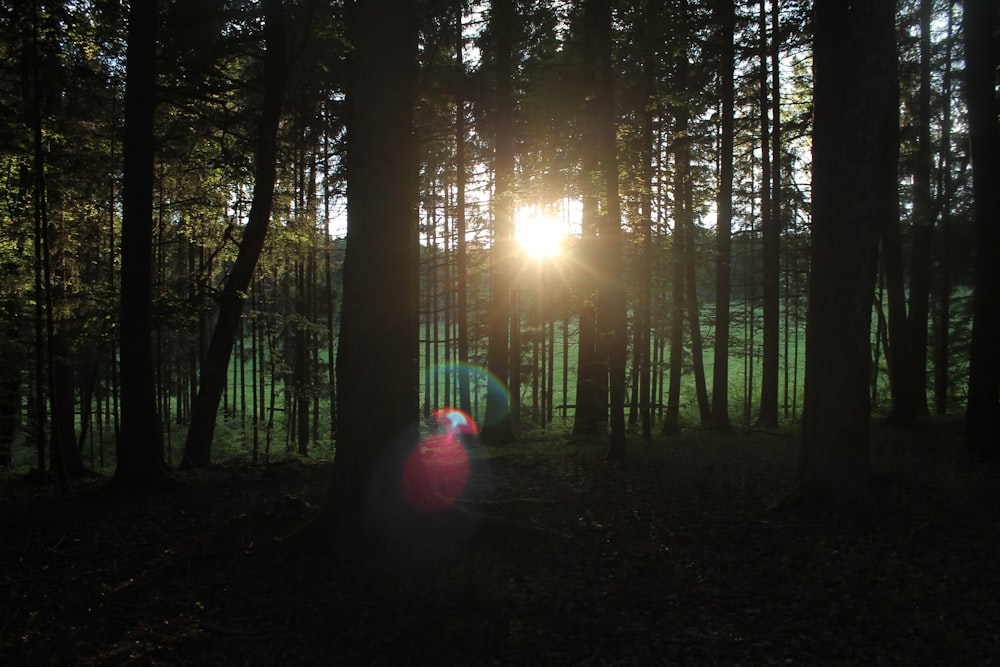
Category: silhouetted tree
<point>726,14</point>
<point>855,151</point>
<point>503,357</point>
<point>611,321</point>
<point>140,448</point>
<point>983,411</point>
<point>212,381</point>
<point>770,201</point>
<point>377,371</point>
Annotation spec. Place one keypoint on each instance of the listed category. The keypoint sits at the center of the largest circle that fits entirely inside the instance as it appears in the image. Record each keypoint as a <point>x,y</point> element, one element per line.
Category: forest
<point>509,332</point>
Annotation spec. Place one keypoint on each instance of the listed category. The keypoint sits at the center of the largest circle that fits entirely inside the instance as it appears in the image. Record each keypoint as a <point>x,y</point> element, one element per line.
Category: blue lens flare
<point>482,384</point>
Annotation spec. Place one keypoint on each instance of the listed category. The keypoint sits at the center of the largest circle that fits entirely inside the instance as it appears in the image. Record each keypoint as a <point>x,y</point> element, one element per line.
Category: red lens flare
<point>435,472</point>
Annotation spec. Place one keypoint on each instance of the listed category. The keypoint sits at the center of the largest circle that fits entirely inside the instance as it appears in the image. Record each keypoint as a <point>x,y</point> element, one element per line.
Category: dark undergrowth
<point>689,553</point>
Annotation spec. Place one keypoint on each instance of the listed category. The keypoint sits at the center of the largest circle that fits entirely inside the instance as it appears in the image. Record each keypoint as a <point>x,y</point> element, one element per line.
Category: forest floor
<point>686,554</point>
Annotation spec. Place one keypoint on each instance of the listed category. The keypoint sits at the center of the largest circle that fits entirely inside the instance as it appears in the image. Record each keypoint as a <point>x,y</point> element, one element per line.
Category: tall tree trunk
<point>923,223</point>
<point>497,426</point>
<point>682,162</point>
<point>461,244</point>
<point>611,316</point>
<point>139,465</point>
<point>63,399</point>
<point>378,349</point>
<point>591,415</point>
<point>11,366</point>
<point>854,184</point>
<point>983,409</point>
<point>643,319</point>
<point>301,379</point>
<point>36,409</point>
<point>771,240</point>
<point>685,220</point>
<point>943,333</point>
<point>726,12</point>
<point>671,422</point>
<point>591,411</point>
<point>198,445</point>
<point>898,357</point>
<point>691,297</point>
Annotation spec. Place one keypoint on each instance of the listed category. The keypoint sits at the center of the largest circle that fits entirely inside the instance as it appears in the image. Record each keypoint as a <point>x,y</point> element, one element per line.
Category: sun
<point>538,233</point>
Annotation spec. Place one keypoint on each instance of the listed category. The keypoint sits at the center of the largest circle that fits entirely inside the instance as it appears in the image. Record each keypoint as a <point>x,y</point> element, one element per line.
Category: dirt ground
<point>685,555</point>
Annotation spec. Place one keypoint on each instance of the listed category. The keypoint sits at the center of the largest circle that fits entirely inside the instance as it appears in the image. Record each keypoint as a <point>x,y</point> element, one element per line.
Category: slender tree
<point>979,21</point>
<point>497,425</point>
<point>770,237</point>
<point>942,336</point>
<point>591,414</point>
<point>678,246</point>
<point>854,183</point>
<point>726,13</point>
<point>643,319</point>
<point>461,242</point>
<point>212,380</point>
<point>923,223</point>
<point>611,318</point>
<point>898,357</point>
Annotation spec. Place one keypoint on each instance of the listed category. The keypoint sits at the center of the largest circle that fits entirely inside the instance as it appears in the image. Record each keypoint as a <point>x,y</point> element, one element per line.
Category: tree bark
<point>643,320</point>
<point>377,357</point>
<point>497,427</point>
<point>611,289</point>
<point>771,243</point>
<point>923,224</point>
<point>854,184</point>
<point>139,466</point>
<point>983,408</point>
<point>591,415</point>
<point>724,221</point>
<point>682,162</point>
<point>212,381</point>
<point>943,328</point>
<point>693,309</point>
<point>461,245</point>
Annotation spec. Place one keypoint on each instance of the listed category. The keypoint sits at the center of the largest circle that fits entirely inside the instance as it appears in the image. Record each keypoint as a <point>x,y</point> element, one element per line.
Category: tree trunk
<point>724,222</point>
<point>643,319</point>
<point>461,245</point>
<point>693,315</point>
<point>611,316</point>
<point>11,366</point>
<point>943,329</point>
<point>497,427</point>
<point>301,371</point>
<point>771,244</point>
<point>63,401</point>
<point>983,408</point>
<point>900,381</point>
<point>139,465</point>
<point>591,415</point>
<point>923,224</point>
<point>682,161</point>
<point>198,445</point>
<point>378,349</point>
<point>854,183</point>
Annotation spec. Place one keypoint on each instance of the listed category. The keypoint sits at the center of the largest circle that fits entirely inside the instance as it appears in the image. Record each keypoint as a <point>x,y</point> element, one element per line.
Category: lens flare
<point>481,383</point>
<point>436,470</point>
<point>453,420</point>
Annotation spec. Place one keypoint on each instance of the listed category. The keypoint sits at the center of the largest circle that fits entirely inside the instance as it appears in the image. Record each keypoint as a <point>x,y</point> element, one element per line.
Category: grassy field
<point>438,388</point>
